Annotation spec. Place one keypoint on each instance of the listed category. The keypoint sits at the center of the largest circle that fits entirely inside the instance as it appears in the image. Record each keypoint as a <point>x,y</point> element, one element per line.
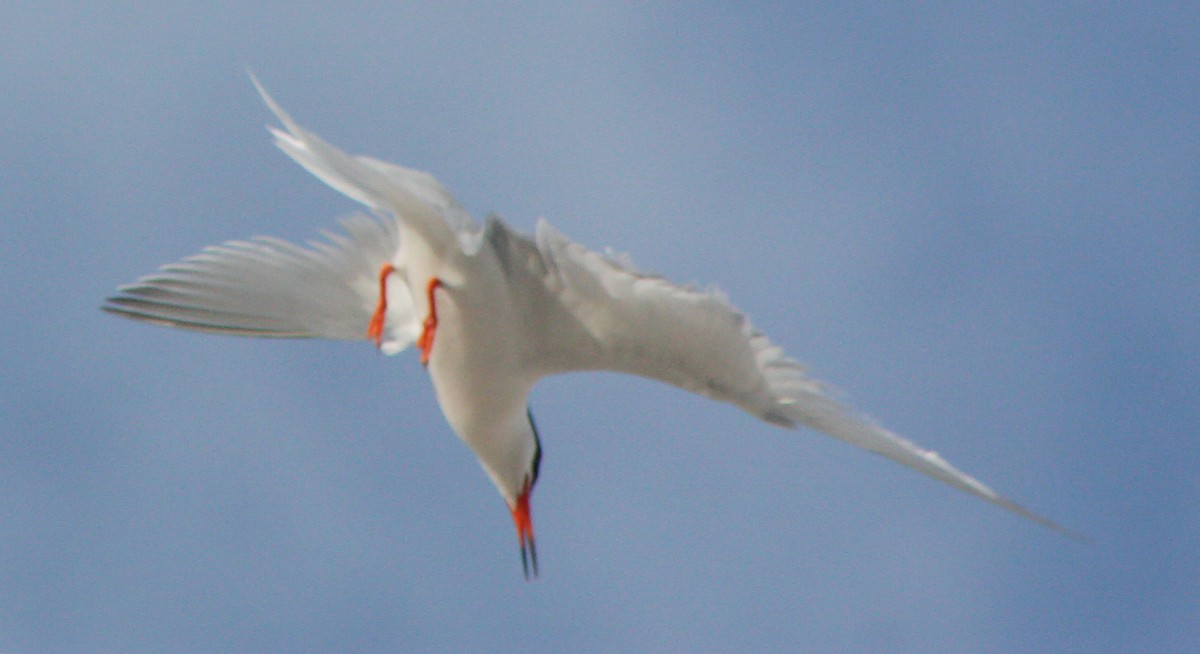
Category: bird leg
<point>524,522</point>
<point>429,327</point>
<point>375,328</point>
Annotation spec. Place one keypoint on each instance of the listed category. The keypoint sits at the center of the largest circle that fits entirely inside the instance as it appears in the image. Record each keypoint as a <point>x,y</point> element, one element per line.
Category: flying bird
<point>492,311</point>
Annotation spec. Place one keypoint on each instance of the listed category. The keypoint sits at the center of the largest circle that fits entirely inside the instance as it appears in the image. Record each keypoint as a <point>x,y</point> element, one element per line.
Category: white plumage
<point>500,311</point>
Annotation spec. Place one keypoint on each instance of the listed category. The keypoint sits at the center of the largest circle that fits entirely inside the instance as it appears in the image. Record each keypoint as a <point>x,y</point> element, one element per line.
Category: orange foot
<point>375,328</point>
<point>429,327</point>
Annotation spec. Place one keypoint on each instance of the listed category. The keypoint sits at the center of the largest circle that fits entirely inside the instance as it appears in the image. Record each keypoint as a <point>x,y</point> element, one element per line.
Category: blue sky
<point>983,224</point>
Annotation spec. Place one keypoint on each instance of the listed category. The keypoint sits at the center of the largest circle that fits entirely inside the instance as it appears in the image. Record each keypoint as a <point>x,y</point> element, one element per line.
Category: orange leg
<point>429,327</point>
<point>375,328</point>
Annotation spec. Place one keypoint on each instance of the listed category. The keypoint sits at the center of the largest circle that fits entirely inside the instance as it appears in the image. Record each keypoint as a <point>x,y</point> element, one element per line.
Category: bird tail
<point>414,197</point>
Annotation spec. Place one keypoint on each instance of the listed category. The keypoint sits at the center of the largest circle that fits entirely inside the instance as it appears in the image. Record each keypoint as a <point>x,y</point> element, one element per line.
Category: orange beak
<point>524,523</point>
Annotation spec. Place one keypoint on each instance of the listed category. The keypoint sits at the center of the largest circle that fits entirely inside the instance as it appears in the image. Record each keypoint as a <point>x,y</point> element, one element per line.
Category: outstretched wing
<point>271,288</point>
<point>695,339</point>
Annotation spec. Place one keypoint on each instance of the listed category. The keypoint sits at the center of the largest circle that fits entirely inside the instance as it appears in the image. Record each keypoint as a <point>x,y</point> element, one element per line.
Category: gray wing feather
<point>695,339</point>
<point>271,288</point>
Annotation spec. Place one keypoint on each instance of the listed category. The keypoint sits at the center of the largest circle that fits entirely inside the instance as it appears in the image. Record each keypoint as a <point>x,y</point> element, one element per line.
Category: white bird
<point>492,311</point>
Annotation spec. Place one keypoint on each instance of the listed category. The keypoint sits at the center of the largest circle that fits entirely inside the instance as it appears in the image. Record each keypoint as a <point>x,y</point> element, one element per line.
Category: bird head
<point>512,458</point>
<point>520,506</point>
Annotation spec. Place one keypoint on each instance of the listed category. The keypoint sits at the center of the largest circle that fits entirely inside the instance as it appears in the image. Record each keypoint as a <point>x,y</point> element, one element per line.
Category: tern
<point>491,312</point>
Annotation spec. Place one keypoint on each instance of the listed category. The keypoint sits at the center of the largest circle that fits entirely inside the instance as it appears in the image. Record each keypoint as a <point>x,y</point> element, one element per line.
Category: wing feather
<point>695,339</point>
<point>413,196</point>
<point>272,288</point>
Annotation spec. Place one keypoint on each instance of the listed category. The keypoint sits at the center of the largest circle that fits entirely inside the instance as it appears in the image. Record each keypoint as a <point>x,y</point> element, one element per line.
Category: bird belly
<point>480,382</point>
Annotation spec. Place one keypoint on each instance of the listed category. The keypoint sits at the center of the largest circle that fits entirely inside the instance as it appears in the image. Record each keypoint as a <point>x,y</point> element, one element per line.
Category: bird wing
<point>268,287</point>
<point>626,321</point>
<point>271,288</point>
<point>413,196</point>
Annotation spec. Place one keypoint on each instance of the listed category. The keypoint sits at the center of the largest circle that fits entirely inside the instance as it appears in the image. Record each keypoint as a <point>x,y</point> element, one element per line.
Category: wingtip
<point>1053,526</point>
<point>259,87</point>
<point>282,115</point>
<point>253,77</point>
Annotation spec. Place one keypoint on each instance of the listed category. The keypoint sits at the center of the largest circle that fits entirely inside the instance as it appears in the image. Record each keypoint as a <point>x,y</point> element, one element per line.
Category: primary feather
<point>271,288</point>
<point>555,307</point>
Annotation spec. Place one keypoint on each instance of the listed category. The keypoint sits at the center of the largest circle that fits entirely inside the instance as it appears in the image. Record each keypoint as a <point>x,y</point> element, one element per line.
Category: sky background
<point>982,224</point>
